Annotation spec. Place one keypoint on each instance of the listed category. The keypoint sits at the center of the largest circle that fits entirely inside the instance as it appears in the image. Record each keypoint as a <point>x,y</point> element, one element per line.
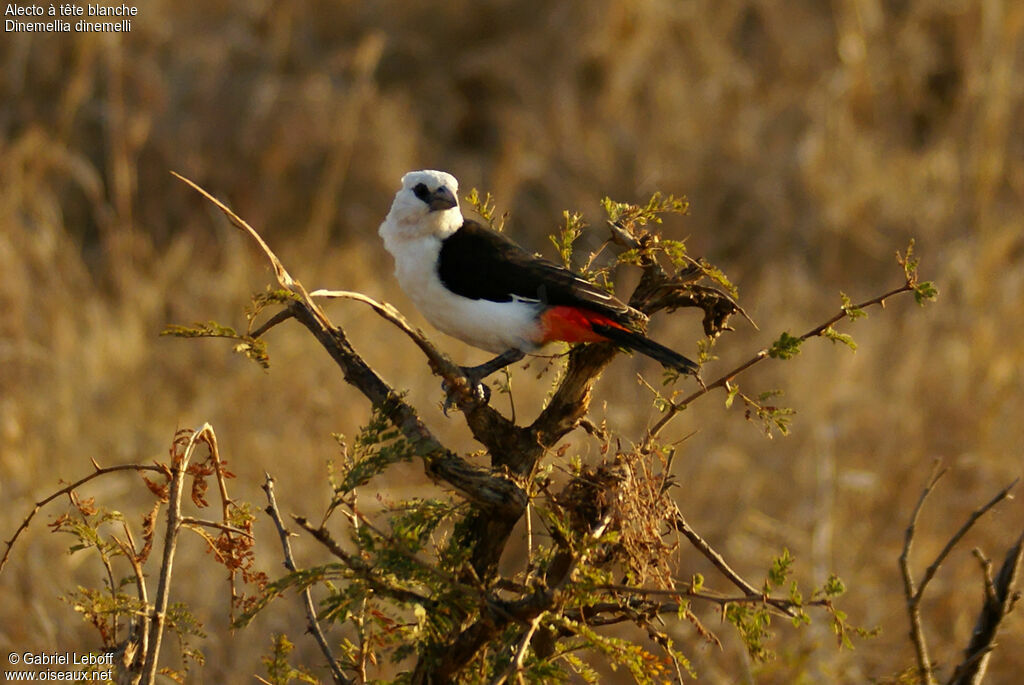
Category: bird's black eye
<point>422,192</point>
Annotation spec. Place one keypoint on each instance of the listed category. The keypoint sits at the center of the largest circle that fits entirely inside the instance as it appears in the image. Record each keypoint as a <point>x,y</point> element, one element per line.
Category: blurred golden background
<point>813,140</point>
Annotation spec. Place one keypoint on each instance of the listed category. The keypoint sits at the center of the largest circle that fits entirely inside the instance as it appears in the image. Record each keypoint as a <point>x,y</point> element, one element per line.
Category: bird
<point>475,284</point>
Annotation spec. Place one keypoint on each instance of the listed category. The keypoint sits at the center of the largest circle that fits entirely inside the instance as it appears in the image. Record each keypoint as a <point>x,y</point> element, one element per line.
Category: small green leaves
<point>210,329</point>
<point>909,262</point>
<point>718,276</point>
<point>781,567</point>
<point>786,347</point>
<point>279,670</point>
<point>833,587</point>
<point>772,418</point>
<point>837,337</point>
<point>572,230</point>
<point>377,446</point>
<point>413,521</point>
<point>731,392</point>
<point>752,623</point>
<point>624,212</point>
<point>253,348</point>
<point>486,207</point>
<point>852,311</point>
<point>925,292</point>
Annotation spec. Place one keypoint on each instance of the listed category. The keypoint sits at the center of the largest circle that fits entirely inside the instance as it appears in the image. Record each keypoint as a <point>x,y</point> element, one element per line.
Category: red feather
<point>572,324</point>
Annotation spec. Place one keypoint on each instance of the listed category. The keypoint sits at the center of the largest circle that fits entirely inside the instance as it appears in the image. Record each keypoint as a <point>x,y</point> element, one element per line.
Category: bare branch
<point>438,361</point>
<point>719,562</point>
<point>280,317</point>
<point>1000,597</point>
<point>158,618</point>
<point>973,667</point>
<point>138,631</point>
<point>968,524</point>
<point>312,625</point>
<point>192,521</point>
<point>911,593</point>
<point>786,606</point>
<point>517,661</point>
<point>100,471</point>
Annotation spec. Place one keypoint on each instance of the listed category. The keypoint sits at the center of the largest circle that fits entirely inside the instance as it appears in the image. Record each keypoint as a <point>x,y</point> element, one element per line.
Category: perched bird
<point>478,286</point>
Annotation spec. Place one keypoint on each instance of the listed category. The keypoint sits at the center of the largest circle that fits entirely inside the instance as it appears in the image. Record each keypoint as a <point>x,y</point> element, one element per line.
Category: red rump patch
<point>573,324</point>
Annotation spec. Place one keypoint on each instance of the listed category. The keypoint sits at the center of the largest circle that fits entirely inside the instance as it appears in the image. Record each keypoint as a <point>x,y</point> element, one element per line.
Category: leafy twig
<point>792,343</point>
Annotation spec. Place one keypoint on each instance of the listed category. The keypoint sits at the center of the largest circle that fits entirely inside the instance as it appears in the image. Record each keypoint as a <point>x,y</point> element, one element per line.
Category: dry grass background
<point>813,140</point>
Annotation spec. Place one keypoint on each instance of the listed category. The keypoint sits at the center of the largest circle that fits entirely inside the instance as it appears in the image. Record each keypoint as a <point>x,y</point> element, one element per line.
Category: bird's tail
<point>644,345</point>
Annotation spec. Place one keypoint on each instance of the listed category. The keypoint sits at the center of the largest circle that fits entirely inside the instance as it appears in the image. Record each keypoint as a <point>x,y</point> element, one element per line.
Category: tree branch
<point>910,592</point>
<point>1000,598</point>
<point>994,609</point>
<point>760,356</point>
<point>66,490</point>
<point>158,616</point>
<point>312,625</point>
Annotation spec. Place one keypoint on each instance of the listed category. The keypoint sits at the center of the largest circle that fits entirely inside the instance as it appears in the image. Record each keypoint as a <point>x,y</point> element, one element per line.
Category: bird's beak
<point>442,199</point>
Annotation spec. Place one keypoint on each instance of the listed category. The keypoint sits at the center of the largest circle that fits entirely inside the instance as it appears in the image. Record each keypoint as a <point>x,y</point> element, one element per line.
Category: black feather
<point>644,345</point>
<point>481,264</point>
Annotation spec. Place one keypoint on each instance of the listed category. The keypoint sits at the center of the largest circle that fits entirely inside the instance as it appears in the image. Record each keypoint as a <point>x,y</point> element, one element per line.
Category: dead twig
<point>1001,596</point>
<point>910,590</point>
<point>100,471</point>
<point>312,625</point>
<point>181,455</point>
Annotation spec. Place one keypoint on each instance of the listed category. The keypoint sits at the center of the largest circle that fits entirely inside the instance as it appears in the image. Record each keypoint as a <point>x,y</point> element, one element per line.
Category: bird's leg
<point>476,374</point>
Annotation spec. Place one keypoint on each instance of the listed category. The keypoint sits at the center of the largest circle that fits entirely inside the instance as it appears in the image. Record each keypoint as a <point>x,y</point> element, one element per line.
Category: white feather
<point>413,235</point>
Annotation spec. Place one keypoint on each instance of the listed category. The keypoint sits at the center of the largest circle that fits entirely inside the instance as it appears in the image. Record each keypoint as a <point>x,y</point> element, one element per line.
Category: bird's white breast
<point>492,326</point>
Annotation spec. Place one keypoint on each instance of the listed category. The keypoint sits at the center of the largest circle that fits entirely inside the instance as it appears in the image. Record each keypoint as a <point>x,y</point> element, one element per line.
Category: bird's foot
<point>480,390</point>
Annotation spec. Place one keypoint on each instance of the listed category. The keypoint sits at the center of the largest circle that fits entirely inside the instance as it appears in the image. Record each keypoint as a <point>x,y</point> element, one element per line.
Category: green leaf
<point>486,207</point>
<point>851,311</point>
<point>253,348</point>
<point>925,292</point>
<point>730,396</point>
<point>835,336</point>
<point>786,347</point>
<point>781,568</point>
<point>565,239</point>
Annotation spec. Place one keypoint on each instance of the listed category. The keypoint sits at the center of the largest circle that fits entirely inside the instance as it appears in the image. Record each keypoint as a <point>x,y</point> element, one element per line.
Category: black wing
<point>481,264</point>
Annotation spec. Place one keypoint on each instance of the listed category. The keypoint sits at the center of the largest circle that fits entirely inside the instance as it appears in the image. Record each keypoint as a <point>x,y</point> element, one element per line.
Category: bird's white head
<point>426,205</point>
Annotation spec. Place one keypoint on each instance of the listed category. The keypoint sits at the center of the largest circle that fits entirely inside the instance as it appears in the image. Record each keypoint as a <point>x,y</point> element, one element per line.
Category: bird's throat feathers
<point>402,225</point>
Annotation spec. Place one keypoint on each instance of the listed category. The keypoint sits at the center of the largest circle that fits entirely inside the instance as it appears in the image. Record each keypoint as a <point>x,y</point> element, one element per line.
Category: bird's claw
<point>481,392</point>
